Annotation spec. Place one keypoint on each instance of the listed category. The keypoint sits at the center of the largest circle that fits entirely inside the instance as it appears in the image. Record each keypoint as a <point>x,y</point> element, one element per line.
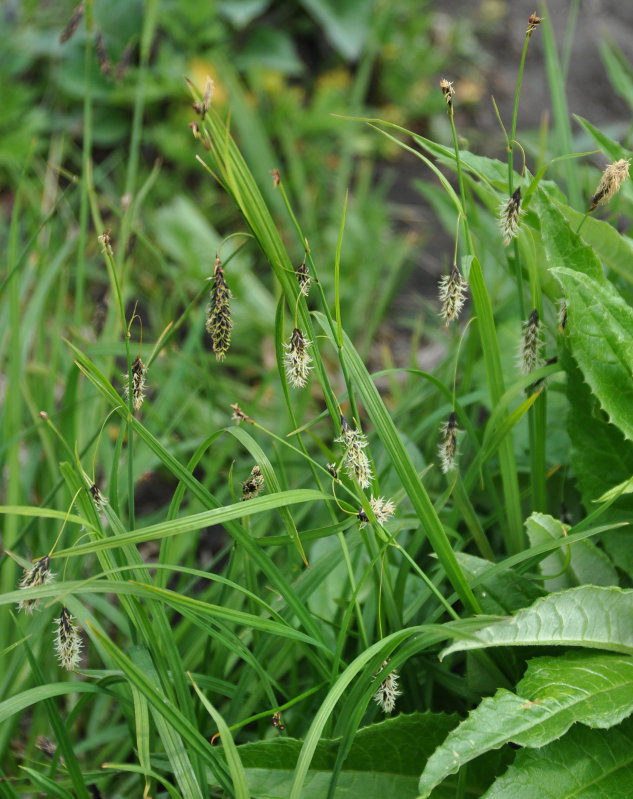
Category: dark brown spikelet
<point>254,484</point>
<point>45,745</point>
<point>239,415</point>
<point>303,278</point>
<point>73,23</point>
<point>533,22</point>
<point>38,574</point>
<point>138,383</point>
<point>102,55</point>
<point>219,322</point>
<point>124,62</point>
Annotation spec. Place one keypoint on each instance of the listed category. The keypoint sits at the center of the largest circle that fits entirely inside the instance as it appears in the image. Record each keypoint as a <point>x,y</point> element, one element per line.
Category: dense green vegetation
<point>248,548</point>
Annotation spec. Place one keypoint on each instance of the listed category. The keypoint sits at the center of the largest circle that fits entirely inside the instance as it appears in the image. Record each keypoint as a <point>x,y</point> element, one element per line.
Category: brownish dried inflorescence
<point>533,22</point>
<point>448,91</point>
<point>612,178</point>
<point>254,484</point>
<point>276,178</point>
<point>239,415</point>
<point>102,55</point>
<point>73,23</point>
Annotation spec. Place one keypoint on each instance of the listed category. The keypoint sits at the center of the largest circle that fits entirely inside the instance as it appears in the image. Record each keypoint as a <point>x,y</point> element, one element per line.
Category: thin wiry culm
<point>297,360</point>
<point>388,691</point>
<point>510,214</point>
<point>39,574</point>
<point>138,383</point>
<point>447,448</point>
<point>254,484</point>
<point>383,510</point>
<point>531,342</point>
<point>612,178</point>
<point>356,461</point>
<point>67,641</point>
<point>219,322</point>
<point>452,291</point>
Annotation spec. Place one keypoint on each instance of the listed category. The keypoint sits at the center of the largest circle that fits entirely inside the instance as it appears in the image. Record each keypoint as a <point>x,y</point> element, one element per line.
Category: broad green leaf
<point>600,328</point>
<point>584,764</point>
<point>572,565</point>
<point>613,150</point>
<point>593,689</point>
<point>618,69</point>
<point>590,616</point>
<point>383,761</point>
<point>563,246</point>
<point>501,592</point>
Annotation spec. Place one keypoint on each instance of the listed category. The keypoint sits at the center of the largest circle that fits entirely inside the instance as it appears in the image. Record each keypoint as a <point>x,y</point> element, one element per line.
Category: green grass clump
<point>243,556</point>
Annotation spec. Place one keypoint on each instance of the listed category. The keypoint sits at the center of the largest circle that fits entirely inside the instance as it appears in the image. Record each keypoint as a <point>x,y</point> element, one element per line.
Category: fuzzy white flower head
<point>383,510</point>
<point>452,292</point>
<point>38,574</point>
<point>388,691</point>
<point>510,214</point>
<point>297,359</point>
<point>67,641</point>
<point>529,356</point>
<point>356,461</point>
<point>447,448</point>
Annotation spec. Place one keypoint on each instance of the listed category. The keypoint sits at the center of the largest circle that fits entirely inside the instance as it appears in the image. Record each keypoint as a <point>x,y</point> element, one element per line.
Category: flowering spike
<point>510,214</point>
<point>452,291</point>
<point>254,484</point>
<point>297,360</point>
<point>67,641</point>
<point>530,350</point>
<point>447,448</point>
<point>448,91</point>
<point>383,509</point>
<point>38,574</point>
<point>612,178</point>
<point>533,22</point>
<point>98,498</point>
<point>219,322</point>
<point>138,383</point>
<point>102,55</point>
<point>388,691</point>
<point>303,278</point>
<point>73,23</point>
<point>356,461</point>
<point>239,416</point>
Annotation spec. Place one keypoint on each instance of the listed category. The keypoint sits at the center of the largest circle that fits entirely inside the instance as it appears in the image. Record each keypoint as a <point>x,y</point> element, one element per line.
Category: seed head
<point>452,291</point>
<point>448,91</point>
<point>98,498</point>
<point>510,214</point>
<point>531,341</point>
<point>45,745</point>
<point>276,178</point>
<point>388,691</point>
<point>201,108</point>
<point>38,574</point>
<point>239,415</point>
<point>447,448</point>
<point>297,360</point>
<point>356,461</point>
<point>102,55</point>
<point>254,484</point>
<point>104,239</point>
<point>138,383</point>
<point>73,23</point>
<point>67,641</point>
<point>612,178</point>
<point>303,278</point>
<point>219,322</point>
<point>124,61</point>
<point>331,467</point>
<point>533,22</point>
<point>383,509</point>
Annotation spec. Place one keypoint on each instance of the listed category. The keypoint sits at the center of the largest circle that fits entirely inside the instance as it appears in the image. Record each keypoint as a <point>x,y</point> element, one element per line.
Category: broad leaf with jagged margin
<point>585,564</point>
<point>591,616</point>
<point>600,329</point>
<point>384,761</point>
<point>595,689</point>
<point>585,764</point>
<point>601,458</point>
